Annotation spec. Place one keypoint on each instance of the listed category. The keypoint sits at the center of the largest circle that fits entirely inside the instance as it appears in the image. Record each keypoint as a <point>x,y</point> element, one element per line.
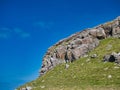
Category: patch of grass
<point>84,74</point>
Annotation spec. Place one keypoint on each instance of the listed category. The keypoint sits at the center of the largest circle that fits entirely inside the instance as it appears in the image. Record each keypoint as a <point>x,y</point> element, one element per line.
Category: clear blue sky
<point>29,27</point>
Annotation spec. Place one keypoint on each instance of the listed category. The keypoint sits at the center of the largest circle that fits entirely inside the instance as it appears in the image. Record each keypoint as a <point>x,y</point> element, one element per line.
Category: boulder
<point>80,51</point>
<point>114,57</point>
<point>106,58</point>
<point>93,32</point>
<point>101,33</point>
<point>98,33</point>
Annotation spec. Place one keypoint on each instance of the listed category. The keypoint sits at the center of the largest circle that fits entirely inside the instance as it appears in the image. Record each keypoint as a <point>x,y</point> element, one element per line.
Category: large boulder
<point>98,33</point>
<point>80,51</point>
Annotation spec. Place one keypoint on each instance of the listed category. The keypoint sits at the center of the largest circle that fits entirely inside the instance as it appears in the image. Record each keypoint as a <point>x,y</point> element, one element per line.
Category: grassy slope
<point>84,74</point>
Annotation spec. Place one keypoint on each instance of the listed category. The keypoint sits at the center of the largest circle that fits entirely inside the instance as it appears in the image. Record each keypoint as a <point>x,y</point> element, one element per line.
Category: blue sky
<point>29,27</point>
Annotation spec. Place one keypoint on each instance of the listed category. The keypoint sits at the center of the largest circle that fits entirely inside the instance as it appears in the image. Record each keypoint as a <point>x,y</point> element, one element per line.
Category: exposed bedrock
<point>78,44</point>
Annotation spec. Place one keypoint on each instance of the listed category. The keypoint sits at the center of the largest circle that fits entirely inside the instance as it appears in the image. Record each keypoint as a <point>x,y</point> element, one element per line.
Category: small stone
<point>94,56</point>
<point>67,66</point>
<point>42,86</point>
<point>106,68</point>
<point>109,76</point>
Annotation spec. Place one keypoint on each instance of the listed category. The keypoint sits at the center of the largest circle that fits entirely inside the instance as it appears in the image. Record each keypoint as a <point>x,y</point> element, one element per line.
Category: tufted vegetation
<point>84,74</point>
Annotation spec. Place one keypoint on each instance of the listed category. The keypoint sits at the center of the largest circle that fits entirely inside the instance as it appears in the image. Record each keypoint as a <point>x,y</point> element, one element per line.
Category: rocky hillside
<point>93,49</point>
<point>79,44</point>
<point>98,70</point>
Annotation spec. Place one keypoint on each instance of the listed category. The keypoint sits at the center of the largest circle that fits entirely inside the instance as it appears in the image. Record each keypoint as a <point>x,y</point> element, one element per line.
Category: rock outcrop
<point>114,57</point>
<point>79,44</point>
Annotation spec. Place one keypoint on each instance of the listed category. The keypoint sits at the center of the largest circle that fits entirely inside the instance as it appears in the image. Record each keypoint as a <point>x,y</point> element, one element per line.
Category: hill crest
<point>79,44</point>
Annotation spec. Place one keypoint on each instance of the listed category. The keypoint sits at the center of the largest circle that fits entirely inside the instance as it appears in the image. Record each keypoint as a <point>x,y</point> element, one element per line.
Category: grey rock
<point>113,57</point>
<point>43,70</point>
<point>94,44</point>
<point>93,32</point>
<point>28,88</point>
<point>118,18</point>
<point>23,89</point>
<point>94,56</point>
<point>69,56</point>
<point>116,31</point>
<point>60,52</point>
<point>67,66</point>
<point>80,51</point>
<point>87,40</point>
<point>106,58</point>
<point>100,33</point>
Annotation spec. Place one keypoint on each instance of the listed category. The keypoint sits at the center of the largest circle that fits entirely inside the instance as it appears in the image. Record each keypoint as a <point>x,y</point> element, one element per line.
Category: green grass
<point>85,73</point>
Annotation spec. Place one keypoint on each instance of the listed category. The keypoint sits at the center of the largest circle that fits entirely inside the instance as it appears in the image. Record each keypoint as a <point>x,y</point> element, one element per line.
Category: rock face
<point>78,44</point>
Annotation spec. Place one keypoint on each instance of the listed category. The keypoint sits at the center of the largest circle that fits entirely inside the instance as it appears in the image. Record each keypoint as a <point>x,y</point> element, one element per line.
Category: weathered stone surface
<point>106,58</point>
<point>116,31</point>
<point>101,33</point>
<point>69,56</point>
<point>118,18</point>
<point>79,44</point>
<point>80,51</point>
<point>98,33</point>
<point>60,52</point>
<point>28,88</point>
<point>114,57</point>
<point>93,32</point>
